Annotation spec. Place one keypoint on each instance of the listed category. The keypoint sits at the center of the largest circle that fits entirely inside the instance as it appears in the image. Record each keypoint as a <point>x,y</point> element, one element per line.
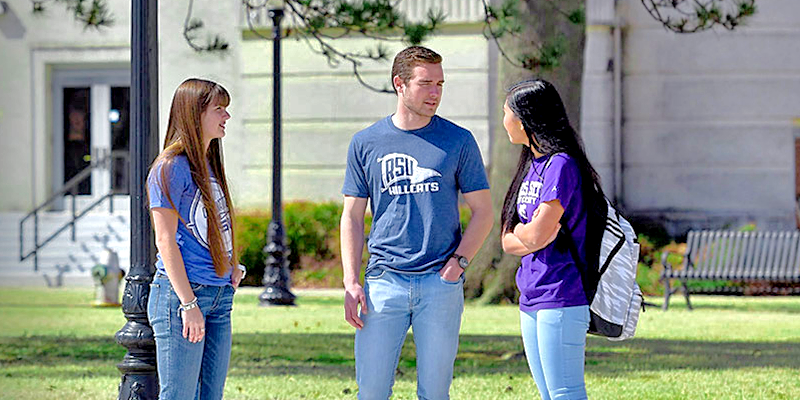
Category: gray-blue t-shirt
<point>412,179</point>
<point>192,237</point>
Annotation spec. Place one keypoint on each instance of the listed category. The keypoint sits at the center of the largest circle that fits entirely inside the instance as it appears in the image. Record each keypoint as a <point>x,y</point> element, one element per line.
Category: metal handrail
<point>69,188</point>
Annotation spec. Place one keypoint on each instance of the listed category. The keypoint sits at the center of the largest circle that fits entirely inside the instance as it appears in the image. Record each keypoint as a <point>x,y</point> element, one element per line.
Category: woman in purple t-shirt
<point>551,192</point>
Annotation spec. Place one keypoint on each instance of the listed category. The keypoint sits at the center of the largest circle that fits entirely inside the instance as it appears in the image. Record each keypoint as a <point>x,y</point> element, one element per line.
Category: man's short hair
<point>406,60</point>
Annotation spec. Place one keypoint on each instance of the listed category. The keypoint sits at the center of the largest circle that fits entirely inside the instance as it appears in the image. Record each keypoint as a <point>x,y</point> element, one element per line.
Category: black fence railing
<point>109,160</point>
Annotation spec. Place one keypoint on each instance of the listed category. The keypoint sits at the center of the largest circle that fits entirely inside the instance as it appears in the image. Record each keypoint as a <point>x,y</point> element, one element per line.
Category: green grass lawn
<point>54,345</point>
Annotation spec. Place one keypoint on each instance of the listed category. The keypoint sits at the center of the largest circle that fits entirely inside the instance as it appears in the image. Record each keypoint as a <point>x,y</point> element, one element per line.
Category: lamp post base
<point>276,272</point>
<point>276,296</point>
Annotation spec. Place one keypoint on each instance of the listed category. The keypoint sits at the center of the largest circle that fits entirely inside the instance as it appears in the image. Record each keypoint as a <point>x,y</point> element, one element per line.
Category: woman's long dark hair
<point>540,109</point>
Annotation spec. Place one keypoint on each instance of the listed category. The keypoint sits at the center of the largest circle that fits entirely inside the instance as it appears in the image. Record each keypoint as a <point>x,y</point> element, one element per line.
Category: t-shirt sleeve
<point>561,181</point>
<point>179,179</point>
<point>471,174</point>
<point>355,179</point>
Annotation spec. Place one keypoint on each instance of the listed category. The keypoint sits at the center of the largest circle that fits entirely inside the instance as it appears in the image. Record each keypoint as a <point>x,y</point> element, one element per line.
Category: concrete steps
<point>63,261</point>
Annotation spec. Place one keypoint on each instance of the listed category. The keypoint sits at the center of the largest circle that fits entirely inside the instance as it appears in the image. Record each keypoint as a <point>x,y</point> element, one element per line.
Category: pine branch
<point>505,20</point>
<point>214,44</point>
<point>93,14</point>
<point>321,22</point>
<point>690,16</point>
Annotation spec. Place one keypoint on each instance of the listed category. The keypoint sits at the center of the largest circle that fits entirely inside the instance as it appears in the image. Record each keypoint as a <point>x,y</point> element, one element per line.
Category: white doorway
<point>90,122</point>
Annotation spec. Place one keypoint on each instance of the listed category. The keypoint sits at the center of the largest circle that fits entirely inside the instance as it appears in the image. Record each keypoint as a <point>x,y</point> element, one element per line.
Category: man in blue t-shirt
<point>411,166</point>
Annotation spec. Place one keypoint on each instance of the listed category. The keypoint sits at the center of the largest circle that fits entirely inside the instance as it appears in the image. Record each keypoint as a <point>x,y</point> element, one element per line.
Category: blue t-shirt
<point>412,179</point>
<point>192,237</point>
<point>549,278</point>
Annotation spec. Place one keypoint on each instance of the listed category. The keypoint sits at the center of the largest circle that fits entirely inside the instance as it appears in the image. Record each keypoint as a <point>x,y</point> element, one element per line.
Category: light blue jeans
<point>395,302</point>
<point>189,370</point>
<point>555,344</point>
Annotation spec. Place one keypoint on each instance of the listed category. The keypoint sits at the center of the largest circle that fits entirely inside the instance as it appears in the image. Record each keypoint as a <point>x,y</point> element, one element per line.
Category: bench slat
<point>789,267</point>
<point>737,264</point>
<point>701,264</point>
<point>718,253</point>
<point>768,255</point>
<point>781,248</point>
<point>692,241</point>
<point>751,255</point>
<point>729,268</point>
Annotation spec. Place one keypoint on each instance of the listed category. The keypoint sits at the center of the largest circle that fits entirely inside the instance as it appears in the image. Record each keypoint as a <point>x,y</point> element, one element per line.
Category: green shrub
<point>251,232</point>
<point>647,278</point>
<point>311,233</point>
<point>650,251</point>
<point>312,236</point>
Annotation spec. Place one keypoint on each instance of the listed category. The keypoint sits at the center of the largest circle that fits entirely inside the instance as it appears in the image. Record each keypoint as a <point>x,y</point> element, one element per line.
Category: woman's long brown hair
<point>185,136</point>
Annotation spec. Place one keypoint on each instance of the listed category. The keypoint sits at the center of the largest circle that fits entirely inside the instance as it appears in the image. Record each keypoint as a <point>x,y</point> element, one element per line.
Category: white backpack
<point>618,299</point>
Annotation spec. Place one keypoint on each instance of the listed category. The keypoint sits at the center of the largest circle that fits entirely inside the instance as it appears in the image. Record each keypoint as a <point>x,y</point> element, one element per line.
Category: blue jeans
<point>189,370</point>
<point>555,344</point>
<point>395,302</point>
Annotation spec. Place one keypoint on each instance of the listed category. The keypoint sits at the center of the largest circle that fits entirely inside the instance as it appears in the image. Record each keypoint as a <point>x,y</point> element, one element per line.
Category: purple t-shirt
<point>549,277</point>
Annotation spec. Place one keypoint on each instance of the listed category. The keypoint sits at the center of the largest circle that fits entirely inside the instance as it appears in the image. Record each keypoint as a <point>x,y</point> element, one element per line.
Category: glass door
<point>77,137</point>
<point>91,127</point>
<point>119,118</point>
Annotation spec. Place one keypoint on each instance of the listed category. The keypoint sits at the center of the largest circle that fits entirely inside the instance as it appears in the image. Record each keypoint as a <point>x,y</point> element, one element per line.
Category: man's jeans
<point>189,370</point>
<point>555,344</point>
<point>426,302</point>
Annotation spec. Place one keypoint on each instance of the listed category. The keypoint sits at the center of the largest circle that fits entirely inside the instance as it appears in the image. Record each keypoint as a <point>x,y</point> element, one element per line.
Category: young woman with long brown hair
<point>191,297</point>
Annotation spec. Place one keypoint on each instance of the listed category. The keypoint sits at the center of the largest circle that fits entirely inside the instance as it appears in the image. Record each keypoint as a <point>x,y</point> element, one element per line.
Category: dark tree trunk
<point>490,277</point>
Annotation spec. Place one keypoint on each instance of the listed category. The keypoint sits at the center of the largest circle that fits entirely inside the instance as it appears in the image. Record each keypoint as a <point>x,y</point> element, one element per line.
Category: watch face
<point>463,262</point>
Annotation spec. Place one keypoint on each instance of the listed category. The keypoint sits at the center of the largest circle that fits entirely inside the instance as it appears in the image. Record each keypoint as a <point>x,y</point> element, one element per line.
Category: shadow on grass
<point>750,307</point>
<point>606,358</point>
<point>331,355</point>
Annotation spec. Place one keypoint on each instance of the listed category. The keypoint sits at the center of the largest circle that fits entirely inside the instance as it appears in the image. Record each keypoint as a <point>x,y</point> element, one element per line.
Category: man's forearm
<point>478,229</point>
<point>352,238</point>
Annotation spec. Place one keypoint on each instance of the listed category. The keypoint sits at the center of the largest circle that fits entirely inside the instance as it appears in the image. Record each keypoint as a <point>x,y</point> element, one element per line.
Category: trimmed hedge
<point>312,235</point>
<point>311,232</point>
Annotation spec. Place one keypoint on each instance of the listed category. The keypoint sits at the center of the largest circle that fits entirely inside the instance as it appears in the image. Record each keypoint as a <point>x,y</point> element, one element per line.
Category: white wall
<point>323,107</point>
<point>31,46</point>
<point>707,118</point>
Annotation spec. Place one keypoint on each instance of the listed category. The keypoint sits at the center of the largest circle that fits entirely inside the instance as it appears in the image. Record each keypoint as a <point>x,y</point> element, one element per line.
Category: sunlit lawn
<point>54,345</point>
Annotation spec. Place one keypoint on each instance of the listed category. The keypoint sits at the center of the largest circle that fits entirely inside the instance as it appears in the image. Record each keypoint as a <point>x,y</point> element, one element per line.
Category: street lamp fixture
<point>276,272</point>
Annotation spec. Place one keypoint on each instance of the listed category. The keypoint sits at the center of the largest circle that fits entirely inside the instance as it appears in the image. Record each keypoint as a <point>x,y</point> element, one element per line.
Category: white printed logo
<point>198,217</point>
<point>397,167</point>
<point>528,193</point>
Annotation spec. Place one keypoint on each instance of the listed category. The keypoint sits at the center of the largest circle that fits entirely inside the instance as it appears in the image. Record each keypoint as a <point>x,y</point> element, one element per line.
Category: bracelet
<point>188,306</point>
<point>243,269</point>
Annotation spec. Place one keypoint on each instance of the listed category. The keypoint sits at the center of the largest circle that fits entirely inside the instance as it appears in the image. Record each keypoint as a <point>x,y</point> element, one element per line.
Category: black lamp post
<point>276,273</point>
<point>139,379</point>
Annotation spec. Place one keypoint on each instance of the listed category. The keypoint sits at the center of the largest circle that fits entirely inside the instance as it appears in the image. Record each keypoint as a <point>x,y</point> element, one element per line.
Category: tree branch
<point>94,15</point>
<point>217,44</point>
<point>690,16</point>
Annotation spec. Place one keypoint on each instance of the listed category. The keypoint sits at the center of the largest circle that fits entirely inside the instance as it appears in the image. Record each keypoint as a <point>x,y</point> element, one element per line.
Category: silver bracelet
<point>188,306</point>
<point>243,269</point>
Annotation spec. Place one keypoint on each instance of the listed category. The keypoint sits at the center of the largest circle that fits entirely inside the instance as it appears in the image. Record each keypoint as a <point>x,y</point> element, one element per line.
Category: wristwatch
<point>462,261</point>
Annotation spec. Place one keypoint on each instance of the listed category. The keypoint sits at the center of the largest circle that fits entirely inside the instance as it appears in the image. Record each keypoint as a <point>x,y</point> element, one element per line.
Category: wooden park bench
<point>734,256</point>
